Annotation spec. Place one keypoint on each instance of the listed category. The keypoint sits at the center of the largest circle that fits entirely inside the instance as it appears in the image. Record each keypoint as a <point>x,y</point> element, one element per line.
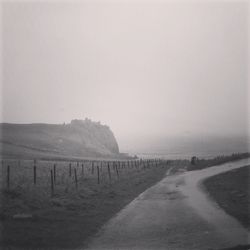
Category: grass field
<point>32,216</point>
<point>231,191</point>
<point>205,163</point>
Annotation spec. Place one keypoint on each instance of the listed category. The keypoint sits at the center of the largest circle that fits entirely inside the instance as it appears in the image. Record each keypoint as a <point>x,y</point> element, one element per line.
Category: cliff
<point>80,138</point>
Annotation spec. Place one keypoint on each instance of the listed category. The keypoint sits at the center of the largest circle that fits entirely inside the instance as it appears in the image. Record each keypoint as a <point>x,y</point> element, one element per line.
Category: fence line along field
<point>54,177</point>
<point>62,203</point>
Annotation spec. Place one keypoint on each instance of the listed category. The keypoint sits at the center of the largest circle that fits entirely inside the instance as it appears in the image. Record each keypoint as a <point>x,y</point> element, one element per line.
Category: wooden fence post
<point>8,176</point>
<point>34,174</point>
<point>117,173</point>
<point>82,169</point>
<point>70,169</point>
<point>52,182</point>
<point>54,170</point>
<point>101,166</point>
<point>76,182</point>
<point>109,172</point>
<point>92,170</point>
<point>98,174</point>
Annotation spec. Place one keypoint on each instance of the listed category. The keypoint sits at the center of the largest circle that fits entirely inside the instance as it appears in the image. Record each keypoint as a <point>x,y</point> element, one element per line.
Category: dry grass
<point>231,191</point>
<point>69,217</point>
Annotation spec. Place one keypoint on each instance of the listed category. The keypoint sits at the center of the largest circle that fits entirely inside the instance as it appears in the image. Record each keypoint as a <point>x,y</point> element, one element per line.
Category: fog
<point>147,69</point>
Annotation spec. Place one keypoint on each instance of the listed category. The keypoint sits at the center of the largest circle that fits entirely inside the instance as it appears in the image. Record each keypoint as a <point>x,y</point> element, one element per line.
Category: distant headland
<point>79,138</point>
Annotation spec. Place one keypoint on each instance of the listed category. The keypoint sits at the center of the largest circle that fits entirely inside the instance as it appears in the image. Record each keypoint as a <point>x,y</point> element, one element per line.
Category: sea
<point>185,148</point>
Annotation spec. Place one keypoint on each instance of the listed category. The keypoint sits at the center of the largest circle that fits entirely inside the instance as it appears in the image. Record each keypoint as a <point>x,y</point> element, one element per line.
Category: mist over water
<point>168,78</point>
<point>186,147</point>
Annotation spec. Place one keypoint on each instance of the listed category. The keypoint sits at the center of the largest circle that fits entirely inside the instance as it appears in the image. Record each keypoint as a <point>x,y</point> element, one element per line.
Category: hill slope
<point>80,138</point>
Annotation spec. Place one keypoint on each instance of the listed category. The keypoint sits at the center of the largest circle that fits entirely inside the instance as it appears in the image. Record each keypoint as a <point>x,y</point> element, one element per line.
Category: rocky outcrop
<point>80,138</point>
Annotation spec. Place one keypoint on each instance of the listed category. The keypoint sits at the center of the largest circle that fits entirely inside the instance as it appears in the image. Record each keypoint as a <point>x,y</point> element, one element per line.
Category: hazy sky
<point>145,69</point>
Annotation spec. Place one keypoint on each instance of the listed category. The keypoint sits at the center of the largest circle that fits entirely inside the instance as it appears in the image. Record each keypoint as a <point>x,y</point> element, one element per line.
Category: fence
<point>50,175</point>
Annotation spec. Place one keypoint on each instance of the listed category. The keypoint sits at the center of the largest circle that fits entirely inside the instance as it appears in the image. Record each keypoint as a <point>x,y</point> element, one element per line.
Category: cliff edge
<point>80,138</point>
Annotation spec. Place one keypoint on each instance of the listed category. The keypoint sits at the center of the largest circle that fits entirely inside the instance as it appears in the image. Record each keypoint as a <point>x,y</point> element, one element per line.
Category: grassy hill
<point>80,138</point>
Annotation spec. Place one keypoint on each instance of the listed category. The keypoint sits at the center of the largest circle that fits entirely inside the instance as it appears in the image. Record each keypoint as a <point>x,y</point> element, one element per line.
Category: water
<point>185,148</point>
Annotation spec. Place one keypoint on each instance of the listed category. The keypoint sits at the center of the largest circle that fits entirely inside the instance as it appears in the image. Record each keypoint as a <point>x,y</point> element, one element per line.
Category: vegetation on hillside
<point>80,138</point>
<point>196,163</point>
<point>32,216</point>
<point>231,191</point>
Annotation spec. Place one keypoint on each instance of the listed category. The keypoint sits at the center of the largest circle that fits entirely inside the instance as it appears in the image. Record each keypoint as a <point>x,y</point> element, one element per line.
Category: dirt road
<point>174,214</point>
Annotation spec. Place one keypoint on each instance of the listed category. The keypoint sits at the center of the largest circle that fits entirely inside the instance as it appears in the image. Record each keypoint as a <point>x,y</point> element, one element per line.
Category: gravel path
<point>175,214</point>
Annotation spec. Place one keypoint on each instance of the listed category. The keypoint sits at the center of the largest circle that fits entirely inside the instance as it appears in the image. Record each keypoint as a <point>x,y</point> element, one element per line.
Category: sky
<point>148,69</point>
